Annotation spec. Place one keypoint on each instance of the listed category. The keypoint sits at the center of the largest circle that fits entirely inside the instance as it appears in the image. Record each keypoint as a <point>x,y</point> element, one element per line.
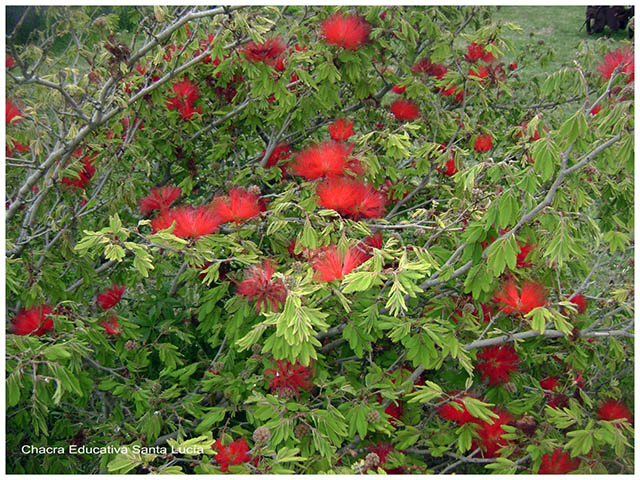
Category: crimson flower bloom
<point>395,411</point>
<point>450,412</point>
<point>580,301</point>
<point>483,143</point>
<point>513,66</point>
<point>265,52</point>
<point>186,93</point>
<point>111,325</point>
<point>12,112</point>
<point>258,285</point>
<point>399,89</point>
<point>351,198</point>
<point>236,453</point>
<point>111,297</point>
<point>341,130</point>
<point>281,152</point>
<point>191,222</point>
<point>369,243</point>
<point>614,410</point>
<point>595,110</point>
<point>33,321</point>
<point>557,463</point>
<point>425,65</point>
<point>614,59</point>
<point>531,296</point>
<point>9,62</point>
<point>17,146</point>
<point>404,110</point>
<point>331,265</point>
<point>450,167</point>
<point>239,205</point>
<point>480,72</point>
<point>491,435</point>
<point>549,383</point>
<point>288,378</point>
<point>350,32</point>
<point>160,198</point>
<point>474,52</point>
<point>499,362</point>
<point>86,174</point>
<point>328,159</point>
<point>525,250</point>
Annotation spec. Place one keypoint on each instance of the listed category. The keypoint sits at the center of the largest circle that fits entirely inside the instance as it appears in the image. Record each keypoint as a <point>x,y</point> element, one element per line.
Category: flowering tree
<point>315,240</point>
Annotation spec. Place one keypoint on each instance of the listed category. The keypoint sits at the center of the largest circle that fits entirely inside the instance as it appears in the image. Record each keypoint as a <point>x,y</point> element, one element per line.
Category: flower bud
<point>131,345</point>
<point>301,431</point>
<point>261,435</point>
<point>469,308</point>
<point>373,416</point>
<point>371,460</point>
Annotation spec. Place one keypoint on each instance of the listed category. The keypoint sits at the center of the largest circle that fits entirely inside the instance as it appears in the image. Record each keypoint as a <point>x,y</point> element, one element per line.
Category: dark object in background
<point>616,18</point>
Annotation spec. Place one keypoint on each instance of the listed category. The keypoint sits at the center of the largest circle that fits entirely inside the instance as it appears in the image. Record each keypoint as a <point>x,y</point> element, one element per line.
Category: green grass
<point>553,31</point>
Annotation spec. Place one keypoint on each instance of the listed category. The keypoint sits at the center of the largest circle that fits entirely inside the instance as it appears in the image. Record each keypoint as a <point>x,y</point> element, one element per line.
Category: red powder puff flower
<point>404,110</point>
<point>513,66</point>
<point>191,222</point>
<point>499,362</point>
<point>399,89</point>
<point>549,383</point>
<point>614,410</point>
<point>450,412</point>
<point>425,65</point>
<point>595,110</point>
<point>521,259</point>
<point>17,146</point>
<point>186,91</point>
<point>351,198</point>
<point>258,285</point>
<point>450,167</point>
<point>395,411</point>
<point>9,62</point>
<point>491,435</point>
<point>236,453</point>
<point>304,252</point>
<point>160,198</point>
<point>483,143</point>
<point>187,111</point>
<point>382,450</point>
<point>341,130</point>
<point>288,378</point>
<point>557,463</point>
<point>111,325</point>
<point>331,265</point>
<point>369,243</point>
<point>350,32</point>
<point>281,152</point>
<point>580,301</point>
<point>479,72</point>
<point>614,59</point>
<point>265,52</point>
<point>111,297</point>
<point>328,159</point>
<point>34,321</point>
<point>531,296</point>
<point>474,52</point>
<point>12,112</point>
<point>86,174</point>
<point>532,138</point>
<point>239,205</point>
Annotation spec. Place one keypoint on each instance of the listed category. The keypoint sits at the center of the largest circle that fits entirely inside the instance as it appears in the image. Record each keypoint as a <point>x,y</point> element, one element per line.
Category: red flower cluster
<point>265,52</point>
<point>450,167</point>
<point>86,174</point>
<point>9,62</point>
<point>558,462</point>
<point>33,321</point>
<point>160,198</point>
<point>499,362</point>
<point>281,152</point>
<point>12,112</point>
<point>236,453</point>
<point>341,130</point>
<point>258,285</point>
<point>17,146</point>
<point>288,378</point>
<point>111,297</point>
<point>351,198</point>
<point>525,250</point>
<point>531,296</point>
<point>328,159</point>
<point>383,450</point>
<point>614,410</point>
<point>612,60</point>
<point>491,435</point>
<point>549,383</point>
<point>111,325</point>
<point>425,65</point>
<point>476,52</point>
<point>350,32</point>
<point>460,416</point>
<point>399,89</point>
<point>404,109</point>
<point>239,205</point>
<point>186,94</point>
<point>580,301</point>
<point>191,222</point>
<point>331,265</point>
<point>483,143</point>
